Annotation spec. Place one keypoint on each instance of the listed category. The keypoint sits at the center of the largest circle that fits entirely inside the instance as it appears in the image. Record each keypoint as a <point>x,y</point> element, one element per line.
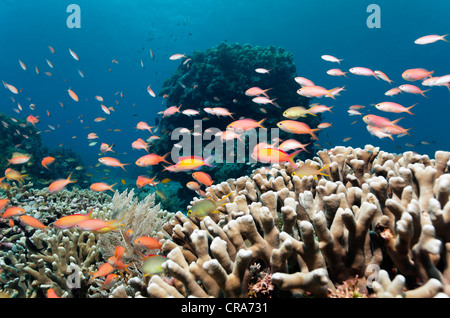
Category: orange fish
<point>144,180</point>
<point>116,260</point>
<point>3,203</point>
<point>98,225</point>
<point>297,127</point>
<point>142,125</point>
<point>13,211</point>
<point>70,221</point>
<point>47,161</point>
<point>112,162</point>
<point>51,293</point>
<point>18,160</point>
<point>193,185</point>
<point>140,144</point>
<point>12,174</point>
<point>203,178</point>
<point>148,242</point>
<point>99,119</point>
<point>105,147</point>
<point>33,222</point>
<point>103,270</point>
<point>73,95</point>
<point>109,281</point>
<point>32,120</point>
<point>101,186</point>
<point>60,184</point>
<point>151,160</point>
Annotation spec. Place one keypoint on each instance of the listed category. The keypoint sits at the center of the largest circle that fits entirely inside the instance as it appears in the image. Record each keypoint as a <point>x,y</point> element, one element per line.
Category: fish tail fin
<point>390,137</point>
<point>443,38</point>
<point>312,133</point>
<point>261,122</point>
<point>345,73</point>
<point>330,95</point>
<point>68,178</point>
<point>396,121</point>
<point>225,198</point>
<point>423,92</point>
<point>122,166</point>
<point>408,108</point>
<point>111,187</point>
<point>329,109</point>
<point>208,161</point>
<point>292,156</point>
<point>163,158</point>
<point>324,174</point>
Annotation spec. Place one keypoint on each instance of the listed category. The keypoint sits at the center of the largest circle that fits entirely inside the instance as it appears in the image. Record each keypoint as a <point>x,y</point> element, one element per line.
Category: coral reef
<point>17,136</point>
<point>32,261</point>
<point>219,77</point>
<point>376,227</point>
<point>380,217</point>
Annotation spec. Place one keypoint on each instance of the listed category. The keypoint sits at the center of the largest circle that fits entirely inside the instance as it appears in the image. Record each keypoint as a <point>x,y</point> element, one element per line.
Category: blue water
<point>127,30</point>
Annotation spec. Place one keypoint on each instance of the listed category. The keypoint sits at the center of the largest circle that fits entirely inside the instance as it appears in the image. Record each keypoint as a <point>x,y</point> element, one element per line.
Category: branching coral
<point>378,214</point>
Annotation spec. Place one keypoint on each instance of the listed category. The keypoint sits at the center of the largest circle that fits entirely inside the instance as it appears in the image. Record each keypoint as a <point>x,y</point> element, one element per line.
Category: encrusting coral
<point>379,216</point>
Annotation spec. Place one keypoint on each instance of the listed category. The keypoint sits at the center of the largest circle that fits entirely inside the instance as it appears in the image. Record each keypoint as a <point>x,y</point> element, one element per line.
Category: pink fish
<point>304,81</point>
<point>377,132</point>
<point>383,76</point>
<point>171,110</point>
<point>255,91</point>
<point>336,72</point>
<point>331,58</point>
<point>408,88</point>
<point>427,39</point>
<point>246,124</point>
<point>393,108</point>
<point>363,71</point>
<point>416,74</point>
<point>378,121</point>
<point>392,92</point>
<point>314,91</point>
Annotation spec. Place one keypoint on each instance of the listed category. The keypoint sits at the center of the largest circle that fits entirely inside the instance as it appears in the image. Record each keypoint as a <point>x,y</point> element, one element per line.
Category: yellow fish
<point>310,170</point>
<point>207,206</point>
<point>296,112</point>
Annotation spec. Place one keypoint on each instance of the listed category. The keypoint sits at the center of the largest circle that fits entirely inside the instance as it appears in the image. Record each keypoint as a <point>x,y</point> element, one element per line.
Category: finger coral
<point>379,217</point>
